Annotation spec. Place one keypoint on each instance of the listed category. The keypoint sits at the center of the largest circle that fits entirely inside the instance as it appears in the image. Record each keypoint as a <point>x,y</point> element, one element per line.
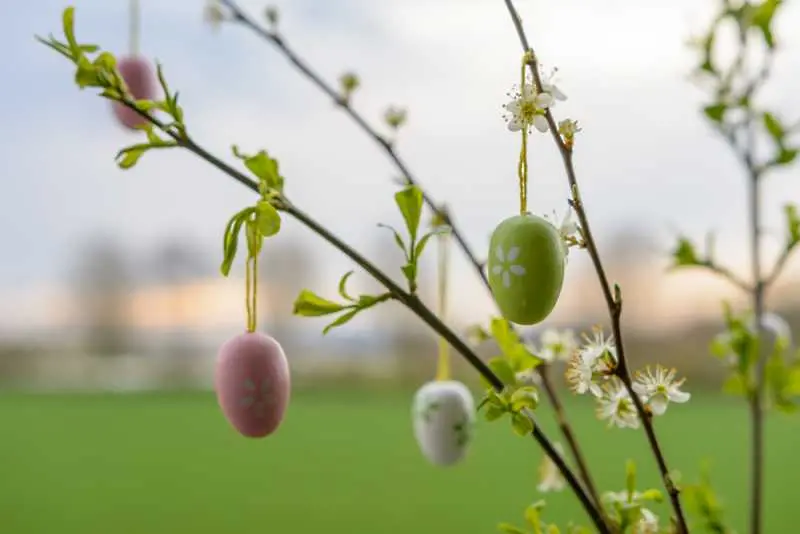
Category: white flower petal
<point>544,100</point>
<point>676,395</point>
<point>498,253</point>
<point>557,93</point>
<point>519,270</point>
<point>658,404</point>
<point>514,124</point>
<point>540,123</point>
<point>497,269</point>
<point>507,279</point>
<point>513,253</point>
<point>513,107</point>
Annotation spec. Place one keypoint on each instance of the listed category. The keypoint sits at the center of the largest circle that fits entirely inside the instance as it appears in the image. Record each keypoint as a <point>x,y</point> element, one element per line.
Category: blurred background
<point>112,306</point>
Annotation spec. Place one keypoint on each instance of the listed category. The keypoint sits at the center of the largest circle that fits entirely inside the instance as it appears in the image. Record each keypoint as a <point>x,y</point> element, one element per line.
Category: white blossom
<point>568,229</point>
<point>580,376</point>
<point>660,388</point>
<point>647,523</point>
<point>549,86</point>
<point>592,364</point>
<point>550,478</point>
<point>557,345</point>
<point>617,406</point>
<point>568,128</point>
<point>527,108</point>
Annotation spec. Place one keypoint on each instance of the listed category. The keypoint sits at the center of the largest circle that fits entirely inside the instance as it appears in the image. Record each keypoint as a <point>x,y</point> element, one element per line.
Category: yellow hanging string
<point>522,167</point>
<point>247,293</point>
<point>443,367</point>
<point>254,296</point>
<point>134,27</point>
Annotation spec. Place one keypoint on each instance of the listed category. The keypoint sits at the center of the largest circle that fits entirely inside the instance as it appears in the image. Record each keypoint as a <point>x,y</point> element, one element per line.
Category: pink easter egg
<point>141,81</point>
<point>252,383</point>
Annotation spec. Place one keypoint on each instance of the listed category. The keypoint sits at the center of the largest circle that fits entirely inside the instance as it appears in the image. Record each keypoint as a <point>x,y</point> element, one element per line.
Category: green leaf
<point>521,424</point>
<point>502,333</point>
<point>533,513</point>
<point>685,254</point>
<point>774,127</point>
<point>508,528</point>
<point>424,240</point>
<point>715,112</point>
<point>111,94</point>
<point>68,23</point>
<point>397,239</point>
<point>410,272</point>
<point>503,370</point>
<point>129,156</point>
<point>762,16</point>
<point>492,412</point>
<point>343,286</point>
<point>410,200</point>
<point>735,385</point>
<point>162,81</point>
<point>525,397</point>
<point>366,301</point>
<point>263,167</point>
<point>342,319</point>
<point>87,75</point>
<point>231,239</point>
<point>786,156</point>
<point>309,304</point>
<point>652,495</point>
<point>105,61</point>
<point>630,477</point>
<point>268,218</point>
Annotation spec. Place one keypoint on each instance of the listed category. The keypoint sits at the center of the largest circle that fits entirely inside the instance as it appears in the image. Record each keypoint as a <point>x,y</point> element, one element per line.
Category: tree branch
<point>613,304</point>
<point>412,302</point>
<point>240,17</point>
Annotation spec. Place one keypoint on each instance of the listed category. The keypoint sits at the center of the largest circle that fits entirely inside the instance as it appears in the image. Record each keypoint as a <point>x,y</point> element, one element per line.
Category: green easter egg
<point>526,268</point>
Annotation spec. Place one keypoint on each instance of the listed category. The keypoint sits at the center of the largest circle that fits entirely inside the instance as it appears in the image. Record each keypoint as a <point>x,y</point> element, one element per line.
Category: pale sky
<point>645,158</point>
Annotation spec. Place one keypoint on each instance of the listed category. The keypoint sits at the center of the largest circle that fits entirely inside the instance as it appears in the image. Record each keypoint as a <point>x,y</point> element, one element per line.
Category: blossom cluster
<point>592,370</point>
<point>528,105</point>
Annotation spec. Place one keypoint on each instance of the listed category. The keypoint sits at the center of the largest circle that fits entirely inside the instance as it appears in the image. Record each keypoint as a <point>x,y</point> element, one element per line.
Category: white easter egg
<point>443,416</point>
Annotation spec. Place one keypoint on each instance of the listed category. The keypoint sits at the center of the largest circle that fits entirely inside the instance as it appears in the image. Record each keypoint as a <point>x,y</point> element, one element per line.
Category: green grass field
<point>342,463</point>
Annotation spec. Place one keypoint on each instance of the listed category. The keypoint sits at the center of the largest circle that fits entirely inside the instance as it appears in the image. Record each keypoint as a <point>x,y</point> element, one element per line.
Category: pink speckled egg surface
<point>252,384</point>
<point>141,81</point>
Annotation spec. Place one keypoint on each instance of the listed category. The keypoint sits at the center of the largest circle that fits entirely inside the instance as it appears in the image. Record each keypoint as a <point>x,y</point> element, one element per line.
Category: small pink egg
<point>252,383</point>
<point>141,81</point>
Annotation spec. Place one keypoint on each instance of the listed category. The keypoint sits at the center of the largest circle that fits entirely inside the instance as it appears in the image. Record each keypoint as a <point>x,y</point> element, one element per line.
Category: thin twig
<point>613,302</point>
<point>412,302</point>
<point>242,18</point>
<point>728,275</point>
<point>239,16</point>
<point>566,430</point>
<point>777,269</point>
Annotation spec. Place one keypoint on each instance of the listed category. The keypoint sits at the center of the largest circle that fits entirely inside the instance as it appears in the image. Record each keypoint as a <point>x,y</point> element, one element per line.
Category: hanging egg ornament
<point>141,82</point>
<point>252,383</point>
<point>526,268</point>
<point>443,417</point>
